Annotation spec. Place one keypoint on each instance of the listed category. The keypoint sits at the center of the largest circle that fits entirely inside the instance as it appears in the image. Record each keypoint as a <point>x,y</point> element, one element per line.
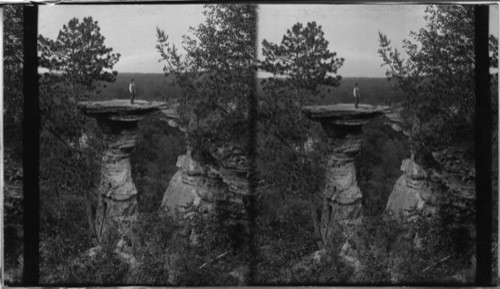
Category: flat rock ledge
<point>121,109</point>
<point>344,113</point>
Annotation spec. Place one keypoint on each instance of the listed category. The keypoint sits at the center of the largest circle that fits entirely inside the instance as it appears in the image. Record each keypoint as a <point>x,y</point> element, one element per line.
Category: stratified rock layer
<point>192,187</point>
<point>117,204</point>
<point>197,186</point>
<point>342,206</point>
<point>406,195</point>
<point>418,189</point>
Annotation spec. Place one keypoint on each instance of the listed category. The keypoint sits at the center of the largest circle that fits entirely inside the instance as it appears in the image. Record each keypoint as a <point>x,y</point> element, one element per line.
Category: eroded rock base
<point>342,207</point>
<point>117,204</point>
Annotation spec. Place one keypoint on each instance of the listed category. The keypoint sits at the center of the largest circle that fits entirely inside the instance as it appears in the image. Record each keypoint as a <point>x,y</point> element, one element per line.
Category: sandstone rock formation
<point>202,187</point>
<point>342,206</point>
<point>193,186</point>
<point>171,116</point>
<point>233,169</point>
<point>117,204</point>
<point>408,191</point>
<point>394,120</point>
<point>419,189</point>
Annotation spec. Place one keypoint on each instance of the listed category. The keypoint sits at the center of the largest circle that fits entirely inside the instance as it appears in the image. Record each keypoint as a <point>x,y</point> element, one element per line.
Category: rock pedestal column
<point>117,204</point>
<point>342,205</point>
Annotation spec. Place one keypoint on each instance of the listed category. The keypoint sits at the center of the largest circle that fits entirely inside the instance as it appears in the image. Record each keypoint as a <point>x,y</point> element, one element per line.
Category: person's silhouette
<point>356,95</point>
<point>131,88</point>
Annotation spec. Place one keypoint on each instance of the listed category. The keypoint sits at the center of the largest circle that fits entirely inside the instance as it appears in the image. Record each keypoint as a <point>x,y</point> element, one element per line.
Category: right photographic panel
<point>366,145</point>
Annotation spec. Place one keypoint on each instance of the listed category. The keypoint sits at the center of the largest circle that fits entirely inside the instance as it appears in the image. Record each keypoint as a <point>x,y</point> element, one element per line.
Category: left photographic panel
<point>145,144</point>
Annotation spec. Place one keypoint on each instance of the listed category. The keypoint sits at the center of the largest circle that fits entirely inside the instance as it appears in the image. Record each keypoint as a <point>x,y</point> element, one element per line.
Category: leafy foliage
<point>216,74</point>
<point>12,140</point>
<point>219,255</point>
<point>77,62</point>
<point>303,58</point>
<point>216,77</point>
<point>79,54</point>
<point>304,65</point>
<point>13,78</point>
<point>283,240</point>
<point>61,239</point>
<point>411,253</point>
<point>438,78</point>
<point>153,233</point>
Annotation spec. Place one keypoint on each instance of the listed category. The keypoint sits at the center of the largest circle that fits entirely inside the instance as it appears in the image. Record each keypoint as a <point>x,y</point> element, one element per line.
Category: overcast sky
<point>352,30</point>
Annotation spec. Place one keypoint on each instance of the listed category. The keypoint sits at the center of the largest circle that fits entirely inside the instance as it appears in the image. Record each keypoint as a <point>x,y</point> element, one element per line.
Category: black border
<point>31,149</point>
<point>483,146</point>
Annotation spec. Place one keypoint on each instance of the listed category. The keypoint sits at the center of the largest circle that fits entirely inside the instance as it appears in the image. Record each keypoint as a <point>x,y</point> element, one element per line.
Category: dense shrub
<point>153,233</point>
<point>63,236</point>
<point>283,241</point>
<point>217,252</point>
<point>330,270</point>
<point>13,217</point>
<point>66,258</point>
<point>374,241</point>
<point>424,251</point>
<point>103,267</point>
<point>13,97</point>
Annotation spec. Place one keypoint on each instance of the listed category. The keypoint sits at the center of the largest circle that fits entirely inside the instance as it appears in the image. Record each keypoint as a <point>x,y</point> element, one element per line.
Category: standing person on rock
<point>131,88</point>
<point>356,95</point>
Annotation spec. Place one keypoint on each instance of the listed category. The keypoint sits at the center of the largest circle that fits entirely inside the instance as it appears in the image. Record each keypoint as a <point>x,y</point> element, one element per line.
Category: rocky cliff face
<point>197,187</point>
<point>419,189</point>
<point>193,186</point>
<point>409,191</point>
<point>233,169</point>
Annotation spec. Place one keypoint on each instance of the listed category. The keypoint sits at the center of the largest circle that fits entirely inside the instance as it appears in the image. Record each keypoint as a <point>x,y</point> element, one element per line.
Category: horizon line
<point>349,76</point>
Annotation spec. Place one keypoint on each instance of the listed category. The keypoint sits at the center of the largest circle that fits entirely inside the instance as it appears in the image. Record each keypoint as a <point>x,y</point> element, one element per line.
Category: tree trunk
<point>315,217</point>
<point>90,215</point>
